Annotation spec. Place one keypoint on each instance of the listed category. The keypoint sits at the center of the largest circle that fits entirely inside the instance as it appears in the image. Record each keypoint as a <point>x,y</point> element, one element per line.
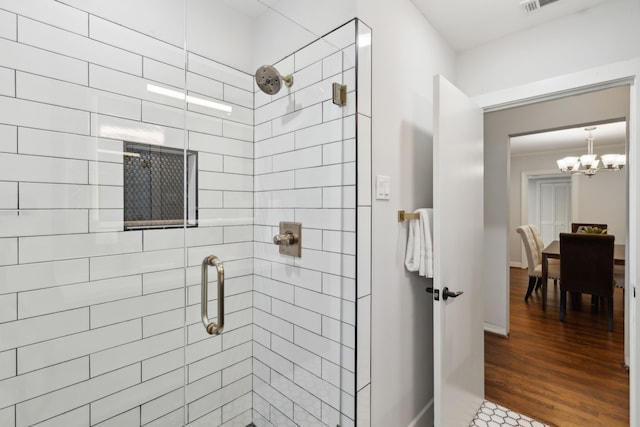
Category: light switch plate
<point>383,187</point>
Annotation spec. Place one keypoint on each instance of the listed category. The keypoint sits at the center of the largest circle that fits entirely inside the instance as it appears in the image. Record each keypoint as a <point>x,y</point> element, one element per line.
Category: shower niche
<point>155,181</point>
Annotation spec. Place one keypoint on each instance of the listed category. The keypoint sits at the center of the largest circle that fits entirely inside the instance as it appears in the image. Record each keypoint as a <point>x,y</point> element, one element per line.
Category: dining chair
<point>553,264</point>
<point>577,227</point>
<point>533,249</point>
<point>587,268</point>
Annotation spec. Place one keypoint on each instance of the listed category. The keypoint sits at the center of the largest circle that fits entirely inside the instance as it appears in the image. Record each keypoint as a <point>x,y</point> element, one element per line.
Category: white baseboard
<point>494,329</point>
<point>424,418</point>
<point>516,264</point>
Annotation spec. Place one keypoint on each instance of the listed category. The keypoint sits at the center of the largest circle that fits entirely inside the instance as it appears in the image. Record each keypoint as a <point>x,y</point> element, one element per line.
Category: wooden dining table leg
<point>545,276</point>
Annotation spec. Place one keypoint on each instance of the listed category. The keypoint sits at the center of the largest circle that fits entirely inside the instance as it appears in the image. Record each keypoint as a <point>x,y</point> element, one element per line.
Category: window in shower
<point>154,187</point>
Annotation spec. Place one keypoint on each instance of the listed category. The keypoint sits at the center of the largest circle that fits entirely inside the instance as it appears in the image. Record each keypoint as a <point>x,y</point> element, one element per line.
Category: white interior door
<point>458,256</point>
<point>554,209</point>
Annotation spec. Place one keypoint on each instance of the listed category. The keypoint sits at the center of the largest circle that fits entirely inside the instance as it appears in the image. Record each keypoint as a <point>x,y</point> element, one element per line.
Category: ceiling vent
<point>529,6</point>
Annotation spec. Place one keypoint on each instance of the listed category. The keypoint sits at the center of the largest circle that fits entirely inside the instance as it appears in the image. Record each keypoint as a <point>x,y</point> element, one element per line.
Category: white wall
<point>603,201</point>
<point>600,199</point>
<point>276,36</point>
<point>602,35</point>
<point>214,29</point>
<point>162,19</point>
<point>407,52</point>
<point>217,30</point>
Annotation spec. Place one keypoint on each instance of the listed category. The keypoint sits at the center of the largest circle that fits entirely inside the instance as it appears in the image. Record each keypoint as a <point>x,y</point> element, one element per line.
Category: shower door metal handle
<point>212,328</point>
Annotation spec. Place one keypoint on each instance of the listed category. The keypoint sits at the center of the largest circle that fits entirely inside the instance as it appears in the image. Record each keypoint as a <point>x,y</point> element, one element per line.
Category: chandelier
<point>588,164</point>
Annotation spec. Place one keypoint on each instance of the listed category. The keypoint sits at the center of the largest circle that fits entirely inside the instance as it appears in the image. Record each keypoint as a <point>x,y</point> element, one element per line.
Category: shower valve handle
<point>285,239</point>
<point>289,239</point>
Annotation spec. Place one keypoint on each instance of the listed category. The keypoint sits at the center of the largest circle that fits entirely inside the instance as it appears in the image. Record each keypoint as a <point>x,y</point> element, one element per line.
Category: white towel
<point>419,256</point>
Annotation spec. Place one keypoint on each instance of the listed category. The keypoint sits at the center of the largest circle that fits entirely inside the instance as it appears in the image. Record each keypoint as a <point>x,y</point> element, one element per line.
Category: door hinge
<point>435,292</point>
<point>340,94</point>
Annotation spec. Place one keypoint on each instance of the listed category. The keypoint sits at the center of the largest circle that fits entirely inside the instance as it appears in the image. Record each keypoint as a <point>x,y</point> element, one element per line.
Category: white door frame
<point>581,82</point>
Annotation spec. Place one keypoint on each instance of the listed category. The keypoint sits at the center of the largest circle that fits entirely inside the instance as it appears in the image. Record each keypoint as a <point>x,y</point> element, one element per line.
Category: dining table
<point>553,251</point>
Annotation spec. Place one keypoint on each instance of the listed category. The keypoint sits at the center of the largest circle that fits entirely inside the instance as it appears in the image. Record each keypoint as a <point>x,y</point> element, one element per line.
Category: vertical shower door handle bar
<point>212,328</point>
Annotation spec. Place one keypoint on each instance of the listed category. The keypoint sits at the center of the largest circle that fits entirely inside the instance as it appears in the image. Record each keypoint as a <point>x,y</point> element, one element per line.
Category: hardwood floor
<point>563,374</point>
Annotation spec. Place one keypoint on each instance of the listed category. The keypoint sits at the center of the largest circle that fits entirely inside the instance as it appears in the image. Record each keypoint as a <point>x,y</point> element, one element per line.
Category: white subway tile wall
<point>304,318</point>
<point>93,319</point>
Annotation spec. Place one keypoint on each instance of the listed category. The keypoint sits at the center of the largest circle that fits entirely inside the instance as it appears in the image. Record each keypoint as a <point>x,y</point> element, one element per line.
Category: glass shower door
<point>128,157</point>
<point>304,307</point>
<point>92,223</point>
<point>219,131</point>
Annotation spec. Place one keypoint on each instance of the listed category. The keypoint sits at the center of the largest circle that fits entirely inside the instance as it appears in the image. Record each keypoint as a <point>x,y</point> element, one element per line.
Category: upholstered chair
<point>533,249</point>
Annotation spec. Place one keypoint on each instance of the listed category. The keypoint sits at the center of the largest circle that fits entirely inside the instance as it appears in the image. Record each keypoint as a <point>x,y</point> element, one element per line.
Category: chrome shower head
<point>270,81</point>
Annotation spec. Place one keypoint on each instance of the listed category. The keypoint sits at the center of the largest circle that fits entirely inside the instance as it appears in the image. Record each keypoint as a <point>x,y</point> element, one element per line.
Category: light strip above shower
<point>189,98</point>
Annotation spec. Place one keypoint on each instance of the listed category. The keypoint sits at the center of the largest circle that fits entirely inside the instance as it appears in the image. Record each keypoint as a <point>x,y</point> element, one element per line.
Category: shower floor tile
<point>493,415</point>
